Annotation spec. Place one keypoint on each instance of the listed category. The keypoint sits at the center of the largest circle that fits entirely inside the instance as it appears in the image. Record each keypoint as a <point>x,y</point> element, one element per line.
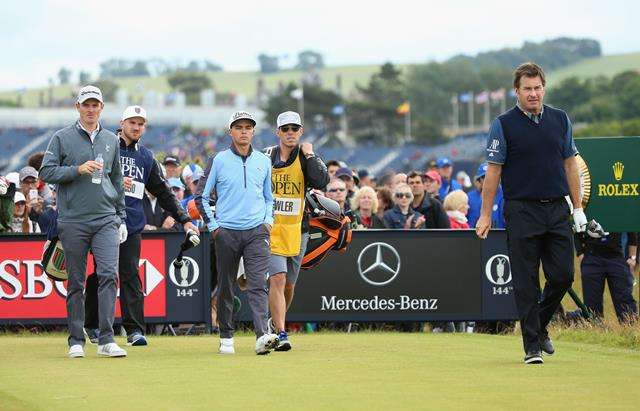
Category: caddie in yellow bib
<point>287,185</point>
<point>295,168</point>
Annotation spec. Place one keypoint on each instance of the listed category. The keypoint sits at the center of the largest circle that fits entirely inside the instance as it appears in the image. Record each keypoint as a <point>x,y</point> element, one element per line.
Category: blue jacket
<point>242,186</point>
<point>475,204</point>
<point>137,163</point>
<point>394,218</point>
<point>447,187</point>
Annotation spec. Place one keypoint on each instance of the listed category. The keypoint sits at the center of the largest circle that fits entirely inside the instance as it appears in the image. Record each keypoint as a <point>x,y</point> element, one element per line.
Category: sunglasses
<point>286,129</point>
<point>406,195</point>
<point>176,189</point>
<point>333,190</point>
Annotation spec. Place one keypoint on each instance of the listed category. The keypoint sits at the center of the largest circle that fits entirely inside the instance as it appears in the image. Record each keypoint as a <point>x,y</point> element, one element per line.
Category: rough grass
<point>323,371</point>
<point>607,333</point>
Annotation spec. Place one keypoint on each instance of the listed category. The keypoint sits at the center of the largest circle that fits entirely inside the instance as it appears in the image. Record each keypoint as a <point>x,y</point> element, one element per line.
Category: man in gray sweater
<point>83,159</point>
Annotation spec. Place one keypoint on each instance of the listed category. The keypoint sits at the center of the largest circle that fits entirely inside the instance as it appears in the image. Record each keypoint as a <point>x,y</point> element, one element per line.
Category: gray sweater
<point>80,200</point>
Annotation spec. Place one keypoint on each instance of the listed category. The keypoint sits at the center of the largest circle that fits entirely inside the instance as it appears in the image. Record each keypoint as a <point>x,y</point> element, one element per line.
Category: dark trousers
<point>253,246</point>
<point>131,295</point>
<point>539,232</point>
<point>615,271</point>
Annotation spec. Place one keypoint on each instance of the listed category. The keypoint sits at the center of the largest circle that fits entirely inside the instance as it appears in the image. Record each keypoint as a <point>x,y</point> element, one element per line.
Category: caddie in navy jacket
<point>140,171</point>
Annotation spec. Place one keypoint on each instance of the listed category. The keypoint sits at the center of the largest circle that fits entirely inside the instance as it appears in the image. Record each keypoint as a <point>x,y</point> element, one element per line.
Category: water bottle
<point>96,177</point>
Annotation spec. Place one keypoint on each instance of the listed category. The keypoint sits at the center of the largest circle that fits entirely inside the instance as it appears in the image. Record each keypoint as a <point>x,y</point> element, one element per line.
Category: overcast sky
<point>40,36</point>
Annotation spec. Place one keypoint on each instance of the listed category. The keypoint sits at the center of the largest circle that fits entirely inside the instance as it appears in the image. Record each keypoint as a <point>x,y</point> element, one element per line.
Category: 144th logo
<point>498,272</point>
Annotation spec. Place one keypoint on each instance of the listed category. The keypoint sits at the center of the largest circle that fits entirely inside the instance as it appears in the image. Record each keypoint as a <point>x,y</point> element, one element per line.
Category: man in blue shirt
<point>241,227</point>
<point>475,201</point>
<point>530,147</point>
<point>445,169</point>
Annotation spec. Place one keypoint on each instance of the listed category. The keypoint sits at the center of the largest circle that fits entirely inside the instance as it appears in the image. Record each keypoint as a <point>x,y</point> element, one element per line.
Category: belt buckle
<point>545,200</point>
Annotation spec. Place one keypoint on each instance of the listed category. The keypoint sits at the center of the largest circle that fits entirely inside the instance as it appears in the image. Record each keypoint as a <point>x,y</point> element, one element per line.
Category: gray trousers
<point>101,237</point>
<point>253,246</point>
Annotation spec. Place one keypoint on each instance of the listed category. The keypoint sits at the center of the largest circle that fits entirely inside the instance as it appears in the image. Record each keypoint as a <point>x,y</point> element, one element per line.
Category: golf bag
<point>53,260</point>
<point>329,229</point>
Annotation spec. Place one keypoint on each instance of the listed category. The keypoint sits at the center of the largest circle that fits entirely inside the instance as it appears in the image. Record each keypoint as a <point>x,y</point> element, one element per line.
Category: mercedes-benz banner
<point>407,275</point>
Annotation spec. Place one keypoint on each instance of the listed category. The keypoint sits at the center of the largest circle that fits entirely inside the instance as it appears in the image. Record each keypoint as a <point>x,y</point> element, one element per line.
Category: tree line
<point>429,88</point>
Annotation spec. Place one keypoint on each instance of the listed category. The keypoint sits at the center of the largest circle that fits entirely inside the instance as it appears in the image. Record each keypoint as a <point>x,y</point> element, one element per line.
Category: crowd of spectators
<point>428,198</point>
<point>423,199</point>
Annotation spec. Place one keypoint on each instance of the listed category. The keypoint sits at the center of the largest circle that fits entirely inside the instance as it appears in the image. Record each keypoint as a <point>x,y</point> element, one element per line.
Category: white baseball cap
<point>88,92</point>
<point>18,196</point>
<point>288,117</point>
<point>14,178</point>
<point>192,171</point>
<point>241,115</point>
<point>134,111</point>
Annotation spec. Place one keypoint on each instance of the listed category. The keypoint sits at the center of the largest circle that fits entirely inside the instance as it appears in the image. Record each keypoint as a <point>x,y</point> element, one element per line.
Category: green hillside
<point>245,82</point>
<point>240,82</point>
<point>606,66</point>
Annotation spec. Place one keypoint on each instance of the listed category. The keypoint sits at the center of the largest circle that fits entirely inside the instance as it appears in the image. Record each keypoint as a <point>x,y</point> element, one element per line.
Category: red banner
<point>26,292</point>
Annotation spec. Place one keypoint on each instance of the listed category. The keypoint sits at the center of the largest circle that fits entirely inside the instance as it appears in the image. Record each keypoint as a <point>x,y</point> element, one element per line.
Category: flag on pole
<point>498,94</point>
<point>338,110</point>
<point>403,108</point>
<point>482,97</point>
<point>465,97</point>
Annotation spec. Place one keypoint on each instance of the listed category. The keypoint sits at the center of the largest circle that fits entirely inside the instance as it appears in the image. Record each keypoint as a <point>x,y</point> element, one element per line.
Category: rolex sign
<point>610,179</point>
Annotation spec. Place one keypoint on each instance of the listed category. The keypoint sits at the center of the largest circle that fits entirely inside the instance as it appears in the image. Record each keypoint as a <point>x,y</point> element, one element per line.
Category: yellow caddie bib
<point>287,186</point>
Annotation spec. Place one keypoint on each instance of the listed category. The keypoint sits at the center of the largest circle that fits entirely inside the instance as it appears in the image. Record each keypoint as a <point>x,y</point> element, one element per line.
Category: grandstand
<point>193,132</point>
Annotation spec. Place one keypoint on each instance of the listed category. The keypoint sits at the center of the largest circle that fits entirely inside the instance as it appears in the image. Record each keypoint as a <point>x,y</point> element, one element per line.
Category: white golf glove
<point>579,220</point>
<point>4,186</point>
<point>194,238</point>
<point>122,233</point>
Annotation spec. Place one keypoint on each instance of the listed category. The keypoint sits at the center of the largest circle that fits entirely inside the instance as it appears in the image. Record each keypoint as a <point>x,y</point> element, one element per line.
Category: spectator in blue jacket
<point>475,201</point>
<point>402,215</point>
<point>445,169</point>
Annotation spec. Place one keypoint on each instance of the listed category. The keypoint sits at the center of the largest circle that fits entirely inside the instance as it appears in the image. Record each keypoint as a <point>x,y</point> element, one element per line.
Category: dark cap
<point>171,159</point>
<point>344,172</point>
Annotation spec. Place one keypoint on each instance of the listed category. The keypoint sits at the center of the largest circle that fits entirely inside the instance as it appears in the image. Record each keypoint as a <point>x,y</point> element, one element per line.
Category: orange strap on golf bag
<point>325,235</point>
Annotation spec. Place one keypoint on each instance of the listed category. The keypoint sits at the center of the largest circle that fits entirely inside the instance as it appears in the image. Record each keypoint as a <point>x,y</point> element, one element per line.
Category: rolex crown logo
<point>618,169</point>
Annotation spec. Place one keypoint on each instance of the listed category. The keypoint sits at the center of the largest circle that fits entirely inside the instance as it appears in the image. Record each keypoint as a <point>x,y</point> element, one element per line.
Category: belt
<point>548,200</point>
<point>542,200</point>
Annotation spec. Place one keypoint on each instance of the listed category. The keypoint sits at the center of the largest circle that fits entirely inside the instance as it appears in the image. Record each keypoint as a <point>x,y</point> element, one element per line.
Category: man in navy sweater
<point>140,171</point>
<point>531,148</point>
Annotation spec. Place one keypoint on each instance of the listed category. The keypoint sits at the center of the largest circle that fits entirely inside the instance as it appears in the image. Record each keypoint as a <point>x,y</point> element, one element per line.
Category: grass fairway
<point>324,370</point>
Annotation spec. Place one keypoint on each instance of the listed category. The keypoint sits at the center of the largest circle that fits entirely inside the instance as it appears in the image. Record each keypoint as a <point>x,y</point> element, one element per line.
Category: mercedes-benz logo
<point>379,264</point>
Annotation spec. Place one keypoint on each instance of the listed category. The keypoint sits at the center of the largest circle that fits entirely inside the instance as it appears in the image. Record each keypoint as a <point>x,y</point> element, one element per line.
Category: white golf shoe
<point>111,350</point>
<point>76,351</point>
<point>226,346</point>
<point>266,343</point>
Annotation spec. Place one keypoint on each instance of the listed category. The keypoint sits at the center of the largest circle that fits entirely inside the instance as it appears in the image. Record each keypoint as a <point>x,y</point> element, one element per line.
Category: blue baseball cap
<point>443,162</point>
<point>175,182</point>
<point>482,170</point>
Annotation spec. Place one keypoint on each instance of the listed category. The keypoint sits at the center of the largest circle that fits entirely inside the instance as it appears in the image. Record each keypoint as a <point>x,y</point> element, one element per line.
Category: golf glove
<point>122,233</point>
<point>595,230</point>
<point>579,220</point>
<point>193,237</point>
